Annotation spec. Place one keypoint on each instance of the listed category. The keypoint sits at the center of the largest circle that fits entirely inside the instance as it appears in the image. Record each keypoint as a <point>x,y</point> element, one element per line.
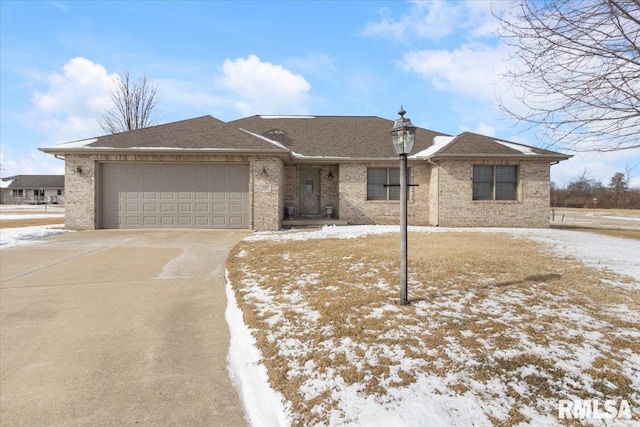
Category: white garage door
<point>174,196</point>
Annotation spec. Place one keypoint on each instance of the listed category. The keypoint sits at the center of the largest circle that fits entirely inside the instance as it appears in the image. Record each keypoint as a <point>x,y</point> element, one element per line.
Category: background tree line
<point>580,192</point>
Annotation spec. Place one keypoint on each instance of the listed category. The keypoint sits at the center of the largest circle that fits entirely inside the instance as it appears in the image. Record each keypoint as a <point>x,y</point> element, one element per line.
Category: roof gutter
<point>138,150</point>
<point>550,157</point>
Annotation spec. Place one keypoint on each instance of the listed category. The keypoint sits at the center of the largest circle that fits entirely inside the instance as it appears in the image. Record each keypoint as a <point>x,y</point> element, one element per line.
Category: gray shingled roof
<point>36,181</point>
<point>314,137</point>
<point>332,136</point>
<point>200,133</point>
<point>473,144</point>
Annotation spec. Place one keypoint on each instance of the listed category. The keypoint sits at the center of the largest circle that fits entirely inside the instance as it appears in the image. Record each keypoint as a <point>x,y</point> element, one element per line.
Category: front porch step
<point>306,222</point>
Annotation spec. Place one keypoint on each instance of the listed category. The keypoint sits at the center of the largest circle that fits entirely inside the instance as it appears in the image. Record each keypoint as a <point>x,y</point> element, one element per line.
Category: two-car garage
<point>174,195</point>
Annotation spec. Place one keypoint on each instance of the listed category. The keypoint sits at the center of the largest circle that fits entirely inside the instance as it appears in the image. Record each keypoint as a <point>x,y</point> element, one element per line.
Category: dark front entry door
<point>309,191</point>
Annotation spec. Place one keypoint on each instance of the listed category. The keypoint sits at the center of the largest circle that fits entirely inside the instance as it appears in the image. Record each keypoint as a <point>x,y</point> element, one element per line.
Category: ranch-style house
<point>270,172</point>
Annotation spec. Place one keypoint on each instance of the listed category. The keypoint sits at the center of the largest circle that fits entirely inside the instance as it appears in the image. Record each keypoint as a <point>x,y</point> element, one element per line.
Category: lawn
<point>498,330</point>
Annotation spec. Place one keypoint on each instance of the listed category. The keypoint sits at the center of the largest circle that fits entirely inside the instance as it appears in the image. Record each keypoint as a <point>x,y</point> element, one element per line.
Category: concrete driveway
<point>117,327</point>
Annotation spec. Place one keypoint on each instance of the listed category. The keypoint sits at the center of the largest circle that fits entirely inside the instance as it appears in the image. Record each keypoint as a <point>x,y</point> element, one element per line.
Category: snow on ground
<point>10,237</point>
<point>33,208</point>
<point>30,215</point>
<point>428,401</point>
<point>595,250</point>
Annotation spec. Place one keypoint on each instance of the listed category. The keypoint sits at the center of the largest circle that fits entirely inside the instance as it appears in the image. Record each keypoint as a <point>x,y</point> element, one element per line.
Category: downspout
<point>59,156</point>
<point>437,191</point>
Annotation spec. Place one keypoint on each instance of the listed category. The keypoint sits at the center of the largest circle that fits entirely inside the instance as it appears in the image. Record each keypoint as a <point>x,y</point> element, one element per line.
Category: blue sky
<point>229,59</point>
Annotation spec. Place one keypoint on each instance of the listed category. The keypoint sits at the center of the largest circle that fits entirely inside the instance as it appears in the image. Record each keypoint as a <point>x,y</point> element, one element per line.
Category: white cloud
<point>257,87</point>
<point>424,20</point>
<point>472,69</point>
<point>436,20</point>
<point>70,107</point>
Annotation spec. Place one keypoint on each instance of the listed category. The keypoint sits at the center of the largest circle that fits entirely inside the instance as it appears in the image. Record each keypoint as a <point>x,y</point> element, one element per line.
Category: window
<point>59,192</point>
<point>15,192</point>
<point>378,178</point>
<point>495,182</point>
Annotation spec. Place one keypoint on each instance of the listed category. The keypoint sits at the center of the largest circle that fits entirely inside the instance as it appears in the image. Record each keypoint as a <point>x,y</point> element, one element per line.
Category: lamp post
<point>403,135</point>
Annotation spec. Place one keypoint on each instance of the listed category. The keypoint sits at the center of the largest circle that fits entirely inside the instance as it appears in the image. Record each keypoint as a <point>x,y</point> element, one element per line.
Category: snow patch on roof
<point>438,143</point>
<point>521,148</point>
<point>287,117</point>
<point>264,138</point>
<point>75,144</point>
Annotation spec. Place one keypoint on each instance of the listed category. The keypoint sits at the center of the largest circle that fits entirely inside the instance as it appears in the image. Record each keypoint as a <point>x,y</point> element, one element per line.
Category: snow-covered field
<point>429,400</point>
<point>26,235</point>
<point>33,208</point>
<point>10,237</point>
<point>31,211</point>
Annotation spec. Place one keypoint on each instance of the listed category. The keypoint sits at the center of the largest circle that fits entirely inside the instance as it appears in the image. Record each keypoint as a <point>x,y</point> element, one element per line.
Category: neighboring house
<point>266,172</point>
<point>32,189</point>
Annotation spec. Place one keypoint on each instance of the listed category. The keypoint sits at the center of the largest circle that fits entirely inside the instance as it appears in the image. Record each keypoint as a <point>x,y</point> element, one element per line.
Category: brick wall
<point>267,192</point>
<point>355,207</point>
<point>455,207</point>
<point>81,196</point>
<point>443,197</point>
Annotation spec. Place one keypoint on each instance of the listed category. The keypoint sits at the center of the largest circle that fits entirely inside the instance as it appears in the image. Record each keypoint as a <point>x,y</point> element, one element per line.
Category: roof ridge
<point>160,125</point>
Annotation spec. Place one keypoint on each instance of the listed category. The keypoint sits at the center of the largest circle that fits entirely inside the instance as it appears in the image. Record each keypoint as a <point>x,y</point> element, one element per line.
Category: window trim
<point>494,182</point>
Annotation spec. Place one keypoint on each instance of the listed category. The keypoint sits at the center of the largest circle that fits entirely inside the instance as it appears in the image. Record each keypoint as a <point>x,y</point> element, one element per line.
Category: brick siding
<point>443,197</point>
<point>82,207</point>
<point>455,207</point>
<point>355,207</point>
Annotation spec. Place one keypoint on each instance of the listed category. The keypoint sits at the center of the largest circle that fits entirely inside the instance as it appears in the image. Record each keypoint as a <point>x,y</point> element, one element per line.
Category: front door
<point>309,191</point>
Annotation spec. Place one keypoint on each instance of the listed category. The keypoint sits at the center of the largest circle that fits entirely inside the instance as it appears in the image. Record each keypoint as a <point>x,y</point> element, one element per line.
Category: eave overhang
<point>488,156</point>
<point>159,150</point>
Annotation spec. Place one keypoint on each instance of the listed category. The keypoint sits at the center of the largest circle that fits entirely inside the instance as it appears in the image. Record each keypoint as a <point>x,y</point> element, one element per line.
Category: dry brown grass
<point>27,222</point>
<point>485,306</point>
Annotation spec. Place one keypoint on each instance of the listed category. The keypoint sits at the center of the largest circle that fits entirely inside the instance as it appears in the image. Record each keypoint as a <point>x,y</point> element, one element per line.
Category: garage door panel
<point>235,222</point>
<point>202,221</point>
<point>219,222</point>
<point>167,221</point>
<point>132,221</point>
<point>132,207</point>
<point>150,221</point>
<point>186,221</point>
<point>174,195</point>
<point>236,208</point>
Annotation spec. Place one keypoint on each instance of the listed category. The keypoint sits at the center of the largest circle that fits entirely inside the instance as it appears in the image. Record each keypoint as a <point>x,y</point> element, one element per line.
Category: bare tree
<point>575,69</point>
<point>133,105</point>
<point>619,184</point>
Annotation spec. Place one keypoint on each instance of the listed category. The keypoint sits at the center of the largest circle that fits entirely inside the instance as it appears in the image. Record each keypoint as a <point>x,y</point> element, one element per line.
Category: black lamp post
<point>403,135</point>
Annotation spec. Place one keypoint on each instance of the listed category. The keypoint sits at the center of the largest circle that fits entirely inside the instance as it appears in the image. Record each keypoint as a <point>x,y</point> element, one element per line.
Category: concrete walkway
<point>117,327</point>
